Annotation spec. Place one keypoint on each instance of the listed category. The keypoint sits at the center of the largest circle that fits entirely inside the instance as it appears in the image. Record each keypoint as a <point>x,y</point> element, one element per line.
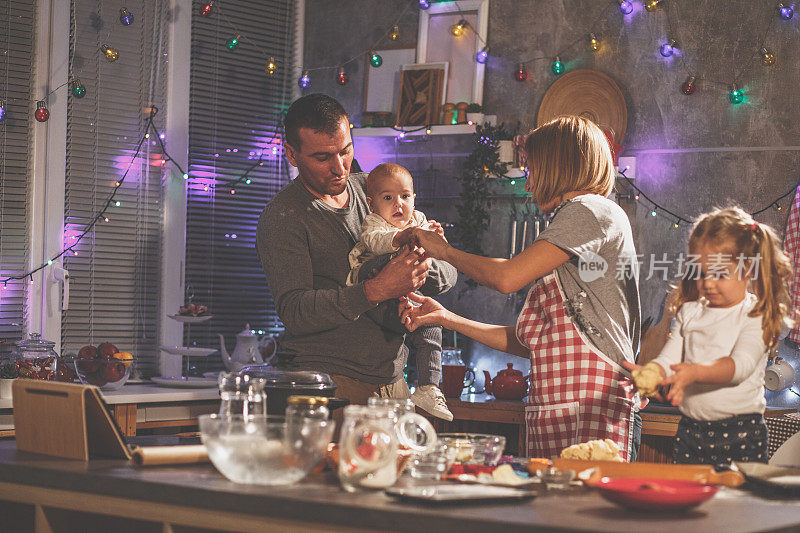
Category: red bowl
<point>651,494</point>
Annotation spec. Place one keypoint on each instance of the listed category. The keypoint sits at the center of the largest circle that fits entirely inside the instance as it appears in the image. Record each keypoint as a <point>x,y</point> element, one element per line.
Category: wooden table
<point>143,406</point>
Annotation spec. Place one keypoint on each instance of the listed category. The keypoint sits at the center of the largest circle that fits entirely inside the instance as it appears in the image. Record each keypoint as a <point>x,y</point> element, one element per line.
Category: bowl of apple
<point>103,366</point>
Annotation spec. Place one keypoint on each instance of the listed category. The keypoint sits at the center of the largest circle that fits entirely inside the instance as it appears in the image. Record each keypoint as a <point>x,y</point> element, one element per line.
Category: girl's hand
<point>434,244</point>
<point>416,311</point>
<point>685,374</point>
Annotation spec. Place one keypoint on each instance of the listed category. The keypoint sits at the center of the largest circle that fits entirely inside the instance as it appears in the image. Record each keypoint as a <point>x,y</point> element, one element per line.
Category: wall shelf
<point>457,129</point>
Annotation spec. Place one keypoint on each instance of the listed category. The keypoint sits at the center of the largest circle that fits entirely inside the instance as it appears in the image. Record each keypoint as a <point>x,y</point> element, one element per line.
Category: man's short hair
<point>316,111</point>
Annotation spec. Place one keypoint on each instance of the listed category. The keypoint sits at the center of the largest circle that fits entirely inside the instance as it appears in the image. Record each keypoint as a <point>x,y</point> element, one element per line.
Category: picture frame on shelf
<point>382,84</point>
<point>421,94</point>
<point>435,43</point>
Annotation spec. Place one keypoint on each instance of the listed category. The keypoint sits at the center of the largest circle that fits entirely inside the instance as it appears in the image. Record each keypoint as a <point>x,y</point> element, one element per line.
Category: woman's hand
<point>658,396</point>
<point>426,312</point>
<point>685,374</point>
<point>432,242</point>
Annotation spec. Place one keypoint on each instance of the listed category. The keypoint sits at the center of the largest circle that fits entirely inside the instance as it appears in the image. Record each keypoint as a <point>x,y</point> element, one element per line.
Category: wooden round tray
<point>590,94</point>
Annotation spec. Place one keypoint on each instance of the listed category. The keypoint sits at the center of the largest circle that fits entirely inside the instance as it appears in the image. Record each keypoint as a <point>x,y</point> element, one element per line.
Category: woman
<point>581,318</point>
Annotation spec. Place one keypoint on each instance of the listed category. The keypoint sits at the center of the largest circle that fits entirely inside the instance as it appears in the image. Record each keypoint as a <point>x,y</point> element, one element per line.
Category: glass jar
<point>35,357</point>
<point>301,406</point>
<point>241,395</point>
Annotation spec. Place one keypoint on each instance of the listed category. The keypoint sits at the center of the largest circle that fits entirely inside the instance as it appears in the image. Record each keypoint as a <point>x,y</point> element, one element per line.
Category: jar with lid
<point>302,406</point>
<point>35,357</point>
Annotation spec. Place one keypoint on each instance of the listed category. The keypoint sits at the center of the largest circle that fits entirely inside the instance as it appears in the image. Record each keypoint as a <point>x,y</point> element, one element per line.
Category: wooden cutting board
<point>700,473</point>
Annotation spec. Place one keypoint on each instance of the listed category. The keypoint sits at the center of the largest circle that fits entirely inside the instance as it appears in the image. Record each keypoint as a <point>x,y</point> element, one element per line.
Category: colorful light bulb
<point>341,77</point>
<point>557,67</point>
<point>305,80</point>
<point>767,57</point>
<point>482,55</point>
<point>689,86</point>
<point>594,42</point>
<point>652,5</point>
<point>521,74</point>
<point>233,42</point>
<point>668,48</point>
<point>271,67</point>
<point>375,59</point>
<point>625,7</point>
<point>112,54</point>
<point>394,33</point>
<point>459,28</point>
<point>42,113</point>
<point>207,9</point>
<point>735,95</point>
<point>77,88</point>
<point>423,4</point>
<point>125,17</point>
<point>785,10</point>
<point>2,110</point>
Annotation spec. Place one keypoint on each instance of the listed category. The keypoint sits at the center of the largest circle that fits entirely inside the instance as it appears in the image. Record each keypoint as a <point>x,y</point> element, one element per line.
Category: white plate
<point>184,382</point>
<point>191,351</point>
<point>191,319</point>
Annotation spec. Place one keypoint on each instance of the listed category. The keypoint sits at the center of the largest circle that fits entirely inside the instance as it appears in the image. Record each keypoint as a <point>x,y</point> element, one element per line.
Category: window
<point>17,28</point>
<point>235,118</point>
<point>115,273</point>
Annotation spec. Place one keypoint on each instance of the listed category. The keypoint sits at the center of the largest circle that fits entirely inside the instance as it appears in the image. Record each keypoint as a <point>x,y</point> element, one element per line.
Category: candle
<point>524,234</point>
<point>513,239</point>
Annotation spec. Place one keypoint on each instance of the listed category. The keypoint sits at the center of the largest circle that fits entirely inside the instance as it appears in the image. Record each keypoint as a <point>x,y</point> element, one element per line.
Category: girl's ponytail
<point>770,283</point>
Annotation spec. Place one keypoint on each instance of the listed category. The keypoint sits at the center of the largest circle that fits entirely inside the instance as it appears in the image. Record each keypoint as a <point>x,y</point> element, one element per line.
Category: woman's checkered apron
<point>577,393</point>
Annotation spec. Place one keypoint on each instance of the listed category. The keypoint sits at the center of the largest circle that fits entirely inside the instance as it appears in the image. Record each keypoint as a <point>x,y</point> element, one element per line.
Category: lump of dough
<point>594,450</point>
<point>647,379</point>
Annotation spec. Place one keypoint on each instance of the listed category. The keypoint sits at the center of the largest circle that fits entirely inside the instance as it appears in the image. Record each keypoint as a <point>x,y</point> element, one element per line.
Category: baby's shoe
<point>431,399</point>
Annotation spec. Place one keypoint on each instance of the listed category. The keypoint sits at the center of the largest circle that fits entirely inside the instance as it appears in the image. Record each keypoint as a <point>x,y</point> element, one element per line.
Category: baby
<point>390,195</point>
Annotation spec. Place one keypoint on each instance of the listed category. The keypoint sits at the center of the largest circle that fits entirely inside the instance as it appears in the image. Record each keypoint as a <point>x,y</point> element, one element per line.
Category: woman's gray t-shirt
<point>601,279</point>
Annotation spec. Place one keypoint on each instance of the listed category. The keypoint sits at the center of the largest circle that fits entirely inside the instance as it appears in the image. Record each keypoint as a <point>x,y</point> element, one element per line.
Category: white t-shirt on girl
<point>702,334</point>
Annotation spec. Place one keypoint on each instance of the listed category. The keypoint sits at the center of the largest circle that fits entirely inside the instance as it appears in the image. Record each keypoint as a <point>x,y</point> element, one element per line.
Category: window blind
<point>115,276</point>
<point>234,119</point>
<point>17,45</point>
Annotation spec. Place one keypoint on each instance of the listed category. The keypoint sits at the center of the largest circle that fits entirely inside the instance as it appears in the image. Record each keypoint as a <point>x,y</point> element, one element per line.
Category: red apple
<point>113,372</point>
<point>95,379</point>
<point>107,350</point>
<point>88,352</point>
<point>88,366</point>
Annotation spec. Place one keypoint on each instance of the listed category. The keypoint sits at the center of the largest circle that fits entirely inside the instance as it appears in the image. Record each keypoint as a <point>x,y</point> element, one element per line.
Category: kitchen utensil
<point>775,476</point>
<point>108,374</point>
<point>453,380</point>
<point>263,451</point>
<point>458,493</point>
<point>434,464</point>
<point>698,473</point>
<point>280,384</point>
<point>189,351</point>
<point>188,319</point>
<point>652,494</point>
<point>779,375</point>
<point>475,448</point>
<point>246,351</point>
<point>508,384</point>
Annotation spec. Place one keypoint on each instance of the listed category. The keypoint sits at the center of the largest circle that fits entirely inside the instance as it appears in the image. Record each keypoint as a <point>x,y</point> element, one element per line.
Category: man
<point>304,237</point>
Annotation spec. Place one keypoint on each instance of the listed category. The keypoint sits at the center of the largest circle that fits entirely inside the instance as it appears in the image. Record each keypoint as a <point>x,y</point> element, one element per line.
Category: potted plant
<point>475,114</point>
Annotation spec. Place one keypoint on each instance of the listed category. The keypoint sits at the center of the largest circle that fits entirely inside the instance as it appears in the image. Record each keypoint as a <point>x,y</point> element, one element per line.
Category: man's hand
<point>685,374</point>
<point>401,238</point>
<point>403,274</point>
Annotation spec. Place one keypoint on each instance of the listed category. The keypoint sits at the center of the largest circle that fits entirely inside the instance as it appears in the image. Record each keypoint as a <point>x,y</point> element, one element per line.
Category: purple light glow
<point>626,7</point>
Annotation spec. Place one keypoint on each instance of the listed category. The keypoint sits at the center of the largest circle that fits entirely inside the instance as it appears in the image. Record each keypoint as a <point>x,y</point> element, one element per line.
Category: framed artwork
<point>435,43</point>
<point>420,96</point>
<point>383,84</point>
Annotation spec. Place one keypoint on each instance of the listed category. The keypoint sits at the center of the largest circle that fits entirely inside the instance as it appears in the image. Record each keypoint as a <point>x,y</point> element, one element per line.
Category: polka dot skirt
<point>739,438</point>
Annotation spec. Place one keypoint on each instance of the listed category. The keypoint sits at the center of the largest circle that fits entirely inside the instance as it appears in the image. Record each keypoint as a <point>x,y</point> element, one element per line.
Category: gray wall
<point>693,152</point>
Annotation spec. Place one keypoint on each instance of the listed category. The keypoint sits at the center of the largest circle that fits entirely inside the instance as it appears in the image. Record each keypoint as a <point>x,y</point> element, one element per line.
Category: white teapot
<point>246,351</point>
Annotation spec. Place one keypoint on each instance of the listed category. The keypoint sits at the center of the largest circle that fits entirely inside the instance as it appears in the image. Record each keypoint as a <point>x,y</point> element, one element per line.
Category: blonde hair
<point>568,153</point>
<point>732,231</point>
<point>385,170</point>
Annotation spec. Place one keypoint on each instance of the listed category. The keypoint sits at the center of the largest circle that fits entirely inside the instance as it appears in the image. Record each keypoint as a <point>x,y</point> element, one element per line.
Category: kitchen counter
<point>104,494</point>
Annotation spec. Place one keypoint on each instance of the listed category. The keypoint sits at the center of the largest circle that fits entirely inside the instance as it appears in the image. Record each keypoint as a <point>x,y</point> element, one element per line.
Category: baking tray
<point>452,493</point>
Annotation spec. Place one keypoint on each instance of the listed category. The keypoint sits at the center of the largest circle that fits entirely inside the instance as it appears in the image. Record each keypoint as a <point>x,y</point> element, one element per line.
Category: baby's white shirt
<point>702,334</point>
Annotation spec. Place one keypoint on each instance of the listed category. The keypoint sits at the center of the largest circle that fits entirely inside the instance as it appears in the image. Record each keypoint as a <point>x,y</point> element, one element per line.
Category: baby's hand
<point>435,226</point>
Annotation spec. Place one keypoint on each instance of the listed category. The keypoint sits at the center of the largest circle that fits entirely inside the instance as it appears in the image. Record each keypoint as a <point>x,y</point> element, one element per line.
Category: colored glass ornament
<point>652,5</point>
<point>271,67</point>
<point>233,42</point>
<point>459,28</point>
<point>394,33</point>
<point>735,95</point>
<point>112,54</point>
<point>375,59</point>
<point>689,86</point>
<point>42,113</point>
<point>625,7</point>
<point>767,57</point>
<point>78,89</point>
<point>206,10</point>
<point>557,67</point>
<point>668,48</point>
<point>341,77</point>
<point>521,74</point>
<point>125,17</point>
<point>785,11</point>
<point>423,4</point>
<point>482,56</point>
<point>305,81</point>
<point>594,42</point>
<point>2,110</point>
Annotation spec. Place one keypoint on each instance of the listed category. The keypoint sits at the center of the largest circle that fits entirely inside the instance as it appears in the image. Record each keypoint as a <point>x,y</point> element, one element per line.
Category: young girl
<point>729,312</point>
<point>578,324</point>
